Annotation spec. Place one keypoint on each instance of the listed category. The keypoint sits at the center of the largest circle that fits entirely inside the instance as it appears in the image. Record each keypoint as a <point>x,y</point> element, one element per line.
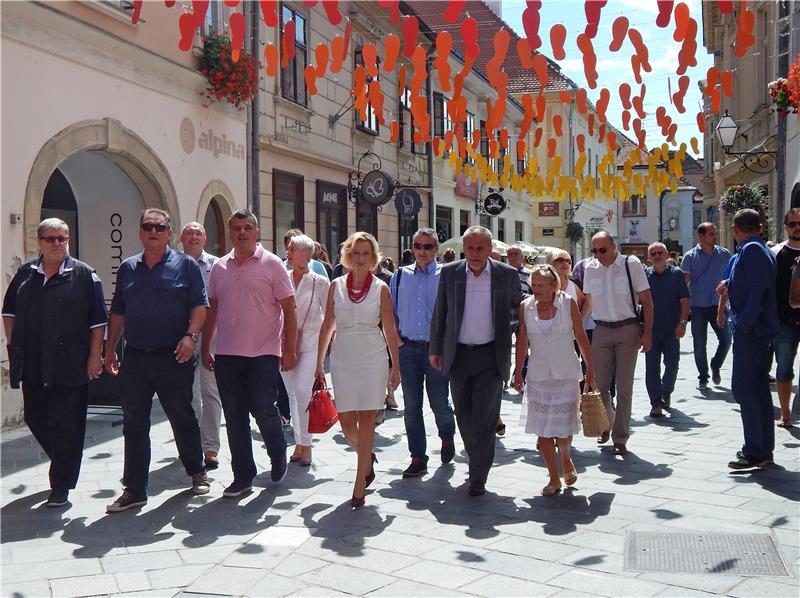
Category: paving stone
<point>54,569</point>
<point>350,580</point>
<point>317,592</point>
<point>132,581</point>
<point>88,585</point>
<point>226,581</point>
<point>413,589</point>
<point>761,586</point>
<point>603,584</point>
<point>440,574</point>
<point>159,593</point>
<point>275,585</point>
<point>500,585</point>
<point>179,577</point>
<point>715,583</point>
<point>142,561</point>
<point>534,548</point>
<point>26,589</point>
<point>296,565</point>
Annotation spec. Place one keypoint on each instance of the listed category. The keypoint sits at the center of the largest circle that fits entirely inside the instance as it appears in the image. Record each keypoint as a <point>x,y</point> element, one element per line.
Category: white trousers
<point>207,405</point>
<point>299,383</point>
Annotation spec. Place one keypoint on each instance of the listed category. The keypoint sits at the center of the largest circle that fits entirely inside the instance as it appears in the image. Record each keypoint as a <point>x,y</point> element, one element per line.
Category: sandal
<point>551,490</point>
<point>571,477</point>
<point>785,422</point>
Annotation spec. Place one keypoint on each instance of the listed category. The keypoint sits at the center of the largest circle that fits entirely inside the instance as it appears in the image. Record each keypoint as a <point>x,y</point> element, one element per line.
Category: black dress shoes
<point>476,489</point>
<point>743,463</point>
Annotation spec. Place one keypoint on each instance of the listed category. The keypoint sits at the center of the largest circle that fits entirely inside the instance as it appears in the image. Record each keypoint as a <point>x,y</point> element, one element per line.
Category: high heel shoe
<point>371,475</point>
<point>357,502</point>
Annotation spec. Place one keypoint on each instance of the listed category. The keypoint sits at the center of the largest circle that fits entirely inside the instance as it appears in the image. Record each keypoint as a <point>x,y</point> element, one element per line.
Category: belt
<point>475,347</point>
<point>162,351</point>
<point>618,324</point>
<point>408,341</point>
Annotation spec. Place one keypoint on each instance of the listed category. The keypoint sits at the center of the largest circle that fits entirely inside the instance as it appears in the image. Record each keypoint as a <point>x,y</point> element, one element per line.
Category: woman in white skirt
<point>551,323</point>
<point>311,297</point>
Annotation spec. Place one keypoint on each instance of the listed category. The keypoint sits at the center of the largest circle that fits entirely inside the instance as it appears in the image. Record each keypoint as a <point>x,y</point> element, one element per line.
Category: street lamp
<point>760,162</point>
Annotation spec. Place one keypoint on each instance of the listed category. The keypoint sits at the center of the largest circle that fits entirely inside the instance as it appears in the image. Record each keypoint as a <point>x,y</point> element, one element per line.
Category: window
<point>293,83</point>
<point>463,221</point>
<point>485,221</point>
<point>484,147</point>
<point>521,163</point>
<point>405,139</point>
<point>408,226</point>
<point>635,206</point>
<point>519,230</point>
<point>441,119</point>
<point>331,216</point>
<point>444,223</point>
<point>367,218</point>
<point>501,229</point>
<point>469,127</point>
<point>287,197</point>
<point>216,17</point>
<point>216,229</point>
<point>370,125</point>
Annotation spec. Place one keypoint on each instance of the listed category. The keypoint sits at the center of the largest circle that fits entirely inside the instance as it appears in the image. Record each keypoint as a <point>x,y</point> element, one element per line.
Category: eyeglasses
<point>425,246</point>
<point>54,239</point>
<point>600,250</point>
<point>792,224</point>
<point>562,259</point>
<point>149,227</point>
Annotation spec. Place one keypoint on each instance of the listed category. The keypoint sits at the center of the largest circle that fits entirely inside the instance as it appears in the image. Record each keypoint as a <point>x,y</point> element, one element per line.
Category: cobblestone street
<point>417,537</point>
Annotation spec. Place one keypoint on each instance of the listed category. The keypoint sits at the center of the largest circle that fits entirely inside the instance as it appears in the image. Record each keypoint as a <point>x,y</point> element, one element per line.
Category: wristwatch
<point>193,335</point>
<point>684,322</point>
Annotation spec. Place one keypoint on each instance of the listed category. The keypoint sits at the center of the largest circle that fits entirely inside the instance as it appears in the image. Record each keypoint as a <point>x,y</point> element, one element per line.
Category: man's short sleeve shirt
<point>609,288</point>
<point>705,273</point>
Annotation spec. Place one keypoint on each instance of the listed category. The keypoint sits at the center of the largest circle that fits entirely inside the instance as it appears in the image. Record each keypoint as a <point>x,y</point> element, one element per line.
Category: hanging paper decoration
<point>527,120</point>
<point>601,133</point>
<point>422,120</point>
<point>271,59</point>
<point>602,104</point>
<point>137,10</point>
<point>688,51</point>
<point>310,3</point>
<point>348,30</point>
<point>454,10</point>
<point>551,147</point>
<point>187,28</point>
<point>524,53</point>
<point>391,50</point>
<point>232,3</point>
<point>541,107</point>
<point>332,11</point>
<point>530,23</point>
<point>564,97</point>
<point>360,91</point>
<point>401,81</point>
<point>619,30</point>
<point>611,141</point>
<point>540,67</point>
<point>726,80</point>
<point>236,23</point>
<point>681,22</point>
<point>288,50</point>
<point>580,140</point>
<point>557,122</point>
<point>590,125</point>
<point>321,56</point>
<point>641,59</point>
<point>410,29</point>
<point>677,97</point>
<point>664,12</point>
<point>725,7</point>
<point>337,54</point>
<point>469,36</point>
<point>199,10</point>
<point>695,147</point>
<point>625,95</point>
<point>592,8</point>
<point>269,12</point>
<point>310,77</point>
<point>420,70</point>
<point>537,136</point>
<point>393,6</point>
<point>169,3</point>
<point>712,91</point>
<point>369,55</point>
<point>638,102</point>
<point>701,122</point>
<point>376,99</point>
<point>589,59</point>
<point>626,120</point>
<point>444,44</point>
<point>744,34</point>
<point>558,35</point>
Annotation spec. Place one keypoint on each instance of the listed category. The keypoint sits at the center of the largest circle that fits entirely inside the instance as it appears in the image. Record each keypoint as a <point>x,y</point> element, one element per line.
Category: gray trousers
<point>477,387</point>
<point>614,350</point>
<point>207,405</point>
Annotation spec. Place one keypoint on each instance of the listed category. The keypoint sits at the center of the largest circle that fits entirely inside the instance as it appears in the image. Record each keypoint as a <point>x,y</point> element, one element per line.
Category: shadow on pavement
<point>563,513</point>
<point>675,419</point>
<point>630,468</point>
<point>345,530</point>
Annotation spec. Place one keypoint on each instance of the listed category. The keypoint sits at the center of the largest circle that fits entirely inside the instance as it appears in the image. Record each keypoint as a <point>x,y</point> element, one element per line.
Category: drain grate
<point>732,554</point>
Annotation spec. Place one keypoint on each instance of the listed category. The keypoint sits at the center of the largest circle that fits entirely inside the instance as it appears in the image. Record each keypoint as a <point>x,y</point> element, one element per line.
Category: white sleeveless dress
<point>359,361</point>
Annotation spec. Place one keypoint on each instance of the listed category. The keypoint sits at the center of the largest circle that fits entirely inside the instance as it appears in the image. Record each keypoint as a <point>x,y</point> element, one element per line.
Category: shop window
<point>293,84</point>
<point>331,216</point>
<point>287,195</point>
<point>444,223</point>
<point>408,226</point>
<point>501,229</point>
<point>367,218</point>
<point>463,221</point>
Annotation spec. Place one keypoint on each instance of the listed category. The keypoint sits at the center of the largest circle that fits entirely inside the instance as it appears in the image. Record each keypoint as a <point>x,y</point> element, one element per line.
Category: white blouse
<point>310,297</point>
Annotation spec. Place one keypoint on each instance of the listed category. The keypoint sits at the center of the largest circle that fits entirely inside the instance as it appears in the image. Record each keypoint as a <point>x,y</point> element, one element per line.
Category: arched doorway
<point>795,202</point>
<point>216,206</point>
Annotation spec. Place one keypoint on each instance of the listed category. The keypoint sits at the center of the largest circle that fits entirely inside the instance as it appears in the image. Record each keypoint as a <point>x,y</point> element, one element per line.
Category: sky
<point>615,68</point>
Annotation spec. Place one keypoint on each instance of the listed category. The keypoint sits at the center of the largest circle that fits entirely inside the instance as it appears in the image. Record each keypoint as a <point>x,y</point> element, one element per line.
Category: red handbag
<point>321,410</point>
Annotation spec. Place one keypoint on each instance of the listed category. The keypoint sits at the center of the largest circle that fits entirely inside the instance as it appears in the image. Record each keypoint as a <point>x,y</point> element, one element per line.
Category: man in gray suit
<point>470,341</point>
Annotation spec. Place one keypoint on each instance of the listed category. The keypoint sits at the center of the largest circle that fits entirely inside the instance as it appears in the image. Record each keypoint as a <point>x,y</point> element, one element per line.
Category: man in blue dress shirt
<point>751,292</point>
<point>413,295</point>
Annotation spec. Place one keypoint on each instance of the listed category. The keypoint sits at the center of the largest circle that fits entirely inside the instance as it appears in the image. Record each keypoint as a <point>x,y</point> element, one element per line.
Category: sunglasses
<point>54,239</point>
<point>792,224</point>
<point>425,246</point>
<point>600,250</point>
<point>149,227</point>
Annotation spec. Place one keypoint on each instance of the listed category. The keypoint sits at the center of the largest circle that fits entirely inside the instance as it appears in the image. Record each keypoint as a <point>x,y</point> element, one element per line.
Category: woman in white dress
<point>310,296</point>
<point>551,323</point>
<point>357,304</point>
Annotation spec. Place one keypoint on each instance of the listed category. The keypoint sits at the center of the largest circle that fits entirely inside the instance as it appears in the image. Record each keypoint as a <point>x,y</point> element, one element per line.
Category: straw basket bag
<point>594,418</point>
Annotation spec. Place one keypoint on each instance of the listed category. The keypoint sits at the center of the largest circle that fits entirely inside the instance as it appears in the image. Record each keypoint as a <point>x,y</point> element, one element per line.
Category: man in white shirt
<point>615,284</point>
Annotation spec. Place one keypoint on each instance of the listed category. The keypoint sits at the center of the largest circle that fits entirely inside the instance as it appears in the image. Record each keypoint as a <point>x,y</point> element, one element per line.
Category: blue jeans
<point>785,344</point>
<point>701,317</point>
<point>414,370</point>
<point>750,385</point>
<point>658,385</point>
<point>249,386</point>
<point>142,375</point>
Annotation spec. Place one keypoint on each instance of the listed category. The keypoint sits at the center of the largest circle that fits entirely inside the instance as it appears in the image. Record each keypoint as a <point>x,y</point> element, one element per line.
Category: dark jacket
<point>449,311</point>
<point>751,289</point>
<point>72,303</point>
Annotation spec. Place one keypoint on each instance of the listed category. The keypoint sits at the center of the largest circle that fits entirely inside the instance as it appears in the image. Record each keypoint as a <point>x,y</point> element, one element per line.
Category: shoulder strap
<point>630,283</point>
<point>397,290</point>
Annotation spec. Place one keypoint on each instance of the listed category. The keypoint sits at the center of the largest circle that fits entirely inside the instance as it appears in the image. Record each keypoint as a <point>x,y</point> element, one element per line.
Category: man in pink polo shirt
<point>252,311</point>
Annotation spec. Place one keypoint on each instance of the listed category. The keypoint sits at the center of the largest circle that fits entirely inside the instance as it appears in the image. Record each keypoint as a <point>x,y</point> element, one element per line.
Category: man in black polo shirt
<point>160,302</point>
<point>54,318</point>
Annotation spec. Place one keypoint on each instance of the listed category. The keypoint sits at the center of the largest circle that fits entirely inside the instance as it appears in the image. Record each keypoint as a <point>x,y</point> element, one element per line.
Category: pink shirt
<point>249,315</point>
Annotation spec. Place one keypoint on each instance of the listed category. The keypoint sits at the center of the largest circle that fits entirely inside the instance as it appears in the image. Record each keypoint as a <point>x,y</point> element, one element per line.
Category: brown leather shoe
<point>604,437</point>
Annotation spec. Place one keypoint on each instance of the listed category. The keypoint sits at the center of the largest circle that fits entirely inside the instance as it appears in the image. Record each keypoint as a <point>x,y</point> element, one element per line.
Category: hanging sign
<point>376,188</point>
<point>408,203</point>
<point>494,204</point>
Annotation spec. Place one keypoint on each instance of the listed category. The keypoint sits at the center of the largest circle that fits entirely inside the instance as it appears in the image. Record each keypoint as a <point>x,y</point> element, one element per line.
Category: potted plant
<point>779,92</point>
<point>738,197</point>
<point>574,231</point>
<point>229,81</point>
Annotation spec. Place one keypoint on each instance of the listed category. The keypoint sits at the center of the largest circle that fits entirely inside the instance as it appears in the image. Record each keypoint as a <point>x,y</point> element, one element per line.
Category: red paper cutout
<point>288,49</point>
<point>611,141</point>
<point>580,139</point>
<point>557,122</point>
<point>137,10</point>
<point>558,35</point>
<point>677,97</point>
<point>420,72</point>
<point>332,11</point>
<point>454,10</point>
<point>309,3</point>
<point>530,23</point>
<point>565,97</point>
<point>661,112</point>
<point>541,108</point>
<point>492,147</point>
<point>673,130</point>
<point>626,120</point>
<point>410,30</point>
<point>619,30</point>
<point>537,136</point>
<point>369,55</point>
<point>540,67</point>
<point>744,34</point>
<point>642,57</point>
<point>625,95</point>
<point>527,120</point>
<point>444,44</point>
<point>602,104</point>
<point>725,7</point>
<point>504,137</point>
<point>376,99</point>
<point>321,55</point>
<point>500,44</point>
<point>726,80</point>
<point>393,6</point>
<point>686,56</point>
<point>187,26</point>
<point>589,59</point>
<point>236,23</point>
<point>232,3</point>
<point>360,91</point>
<point>701,122</point>
<point>391,50</point>
<point>401,80</point>
<point>580,100</point>
<point>681,22</point>
<point>422,120</point>
<point>269,12</point>
<point>271,59</point>
<point>469,36</point>
<point>592,8</point>
<point>522,150</point>
<point>638,105</point>
<point>664,12</point>
<point>199,10</point>
<point>348,30</point>
<point>169,3</point>
<point>551,147</point>
<point>712,91</point>
<point>310,76</point>
<point>590,125</point>
<point>640,133</point>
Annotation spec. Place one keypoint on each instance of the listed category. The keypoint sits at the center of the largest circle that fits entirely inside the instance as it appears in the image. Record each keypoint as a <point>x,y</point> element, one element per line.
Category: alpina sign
<point>209,141</point>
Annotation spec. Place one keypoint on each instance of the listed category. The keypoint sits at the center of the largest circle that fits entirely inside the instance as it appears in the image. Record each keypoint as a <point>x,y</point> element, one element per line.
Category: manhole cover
<point>733,554</point>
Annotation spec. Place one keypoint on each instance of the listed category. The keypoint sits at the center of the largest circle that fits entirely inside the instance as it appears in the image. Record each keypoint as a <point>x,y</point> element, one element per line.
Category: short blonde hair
<point>546,270</point>
<point>350,243</point>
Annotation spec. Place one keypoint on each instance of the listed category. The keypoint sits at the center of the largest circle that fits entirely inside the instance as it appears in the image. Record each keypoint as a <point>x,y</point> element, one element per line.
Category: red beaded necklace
<point>361,294</point>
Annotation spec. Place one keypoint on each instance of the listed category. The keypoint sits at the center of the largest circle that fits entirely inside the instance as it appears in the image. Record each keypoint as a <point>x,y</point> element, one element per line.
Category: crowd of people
<point>248,335</point>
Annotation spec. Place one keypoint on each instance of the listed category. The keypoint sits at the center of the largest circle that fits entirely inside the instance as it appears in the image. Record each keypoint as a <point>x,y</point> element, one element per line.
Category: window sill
<point>365,131</point>
<point>115,13</point>
<point>304,110</point>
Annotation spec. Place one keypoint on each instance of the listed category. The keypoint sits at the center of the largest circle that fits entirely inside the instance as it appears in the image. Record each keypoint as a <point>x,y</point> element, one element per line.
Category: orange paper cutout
<point>332,11</point>
<point>393,6</point>
<point>369,54</point>
<point>726,80</point>
<point>677,97</point>
<point>410,31</point>
<point>271,59</point>
<point>592,8</point>
<point>580,139</point>
<point>454,10</point>
<point>337,54</point>
<point>376,99</point>
<point>444,44</point>
<point>394,135</point>
<point>551,147</point>
<point>602,104</point>
<point>619,30</point>
<point>310,77</point>
<point>321,55</point>
<point>469,36</point>
<point>391,50</point>
<point>558,35</point>
<point>557,122</point>
<point>589,59</point>
<point>580,100</point>
<point>744,34</point>
<point>540,67</point>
